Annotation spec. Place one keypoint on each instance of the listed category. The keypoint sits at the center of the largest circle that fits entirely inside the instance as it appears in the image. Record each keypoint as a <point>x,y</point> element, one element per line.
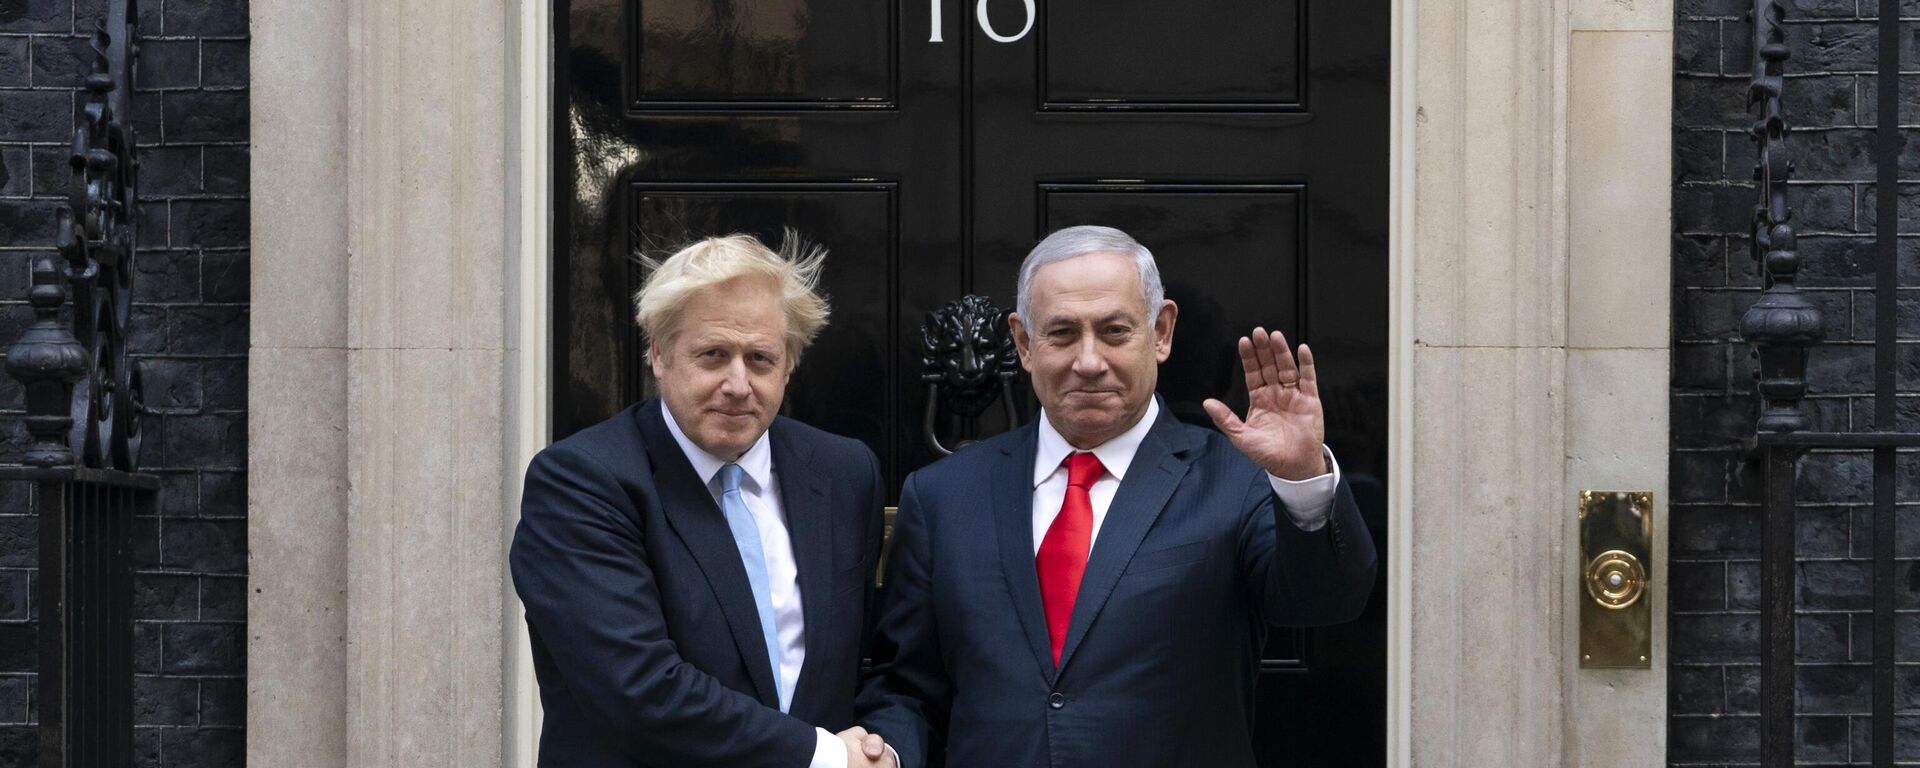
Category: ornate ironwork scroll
<point>967,360</point>
<point>1783,324</point>
<point>83,411</point>
<point>97,238</point>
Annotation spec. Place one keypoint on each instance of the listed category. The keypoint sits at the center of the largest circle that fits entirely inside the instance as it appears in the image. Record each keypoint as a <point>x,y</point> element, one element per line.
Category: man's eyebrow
<point>1112,317</point>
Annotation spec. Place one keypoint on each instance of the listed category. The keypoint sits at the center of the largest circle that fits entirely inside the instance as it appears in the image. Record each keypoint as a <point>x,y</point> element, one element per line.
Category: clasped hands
<point>866,750</point>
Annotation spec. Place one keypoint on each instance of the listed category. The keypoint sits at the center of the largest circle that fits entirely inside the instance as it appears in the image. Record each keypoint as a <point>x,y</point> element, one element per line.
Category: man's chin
<point>727,440</point>
<point>1090,428</point>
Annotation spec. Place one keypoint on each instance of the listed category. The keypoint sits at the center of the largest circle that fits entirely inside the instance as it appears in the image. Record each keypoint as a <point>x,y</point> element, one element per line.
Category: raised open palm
<point>1285,427</point>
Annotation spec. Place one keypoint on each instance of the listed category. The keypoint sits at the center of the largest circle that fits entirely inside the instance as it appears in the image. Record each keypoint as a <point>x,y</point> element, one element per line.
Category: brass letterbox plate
<point>1616,572</point>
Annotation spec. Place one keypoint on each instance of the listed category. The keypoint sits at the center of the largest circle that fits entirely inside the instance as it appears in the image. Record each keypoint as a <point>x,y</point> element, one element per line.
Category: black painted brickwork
<point>1713,688</point>
<point>190,335</point>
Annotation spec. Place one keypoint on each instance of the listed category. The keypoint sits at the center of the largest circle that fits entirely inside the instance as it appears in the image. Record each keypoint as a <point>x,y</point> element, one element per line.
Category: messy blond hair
<point>660,305</point>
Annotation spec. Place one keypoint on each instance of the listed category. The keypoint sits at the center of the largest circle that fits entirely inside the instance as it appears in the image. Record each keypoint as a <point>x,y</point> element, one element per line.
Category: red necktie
<point>1062,559</point>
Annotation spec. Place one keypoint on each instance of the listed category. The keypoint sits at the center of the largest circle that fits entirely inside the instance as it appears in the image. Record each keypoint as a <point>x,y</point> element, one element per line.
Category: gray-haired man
<point>1094,588</point>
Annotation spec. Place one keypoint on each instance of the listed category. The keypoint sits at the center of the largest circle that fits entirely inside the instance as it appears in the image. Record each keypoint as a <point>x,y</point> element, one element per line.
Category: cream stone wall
<point>1620,183</point>
<point>297,389</point>
<point>428,206</point>
<point>383,387</point>
<point>1479,299</point>
<point>398,355</point>
<point>1531,321</point>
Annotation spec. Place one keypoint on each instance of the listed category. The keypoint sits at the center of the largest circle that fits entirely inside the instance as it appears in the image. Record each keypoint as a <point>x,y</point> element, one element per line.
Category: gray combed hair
<point>660,305</point>
<point>1081,241</point>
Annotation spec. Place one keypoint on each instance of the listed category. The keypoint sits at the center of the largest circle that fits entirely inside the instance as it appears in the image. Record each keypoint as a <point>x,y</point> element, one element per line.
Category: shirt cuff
<point>1308,501</point>
<point>828,750</point>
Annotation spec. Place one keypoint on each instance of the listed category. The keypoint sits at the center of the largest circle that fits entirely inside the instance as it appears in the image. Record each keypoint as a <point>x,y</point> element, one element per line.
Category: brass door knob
<point>1616,579</point>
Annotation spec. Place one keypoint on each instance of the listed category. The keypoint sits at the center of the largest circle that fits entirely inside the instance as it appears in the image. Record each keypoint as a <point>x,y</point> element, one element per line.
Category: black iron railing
<point>1783,327</point>
<point>86,615</point>
<point>83,420</point>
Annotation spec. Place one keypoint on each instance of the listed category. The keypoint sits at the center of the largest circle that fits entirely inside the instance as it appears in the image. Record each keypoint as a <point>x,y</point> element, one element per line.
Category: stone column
<point>297,516</point>
<point>385,230</point>
<point>1481,367</point>
<point>427,218</point>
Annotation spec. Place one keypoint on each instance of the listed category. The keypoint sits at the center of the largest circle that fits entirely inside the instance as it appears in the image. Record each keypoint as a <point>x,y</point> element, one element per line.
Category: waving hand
<point>1285,426</point>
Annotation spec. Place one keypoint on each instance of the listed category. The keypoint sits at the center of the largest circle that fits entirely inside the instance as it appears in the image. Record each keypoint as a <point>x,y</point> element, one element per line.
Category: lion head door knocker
<point>968,361</point>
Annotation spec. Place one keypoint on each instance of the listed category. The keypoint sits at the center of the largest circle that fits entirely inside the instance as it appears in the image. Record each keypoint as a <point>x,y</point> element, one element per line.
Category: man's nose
<point>1087,361</point>
<point>736,384</point>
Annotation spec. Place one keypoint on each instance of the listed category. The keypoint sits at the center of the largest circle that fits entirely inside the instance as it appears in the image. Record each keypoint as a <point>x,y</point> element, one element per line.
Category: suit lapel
<point>808,500</point>
<point>1013,519</point>
<point>697,520</point>
<point>1156,471</point>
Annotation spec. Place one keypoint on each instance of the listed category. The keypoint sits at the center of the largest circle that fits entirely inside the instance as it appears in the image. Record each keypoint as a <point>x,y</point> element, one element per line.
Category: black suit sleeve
<point>580,568</point>
<point>1306,578</point>
<point>906,693</point>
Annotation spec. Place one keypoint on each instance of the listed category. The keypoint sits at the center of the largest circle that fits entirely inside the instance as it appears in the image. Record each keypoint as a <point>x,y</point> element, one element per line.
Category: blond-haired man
<point>697,570</point>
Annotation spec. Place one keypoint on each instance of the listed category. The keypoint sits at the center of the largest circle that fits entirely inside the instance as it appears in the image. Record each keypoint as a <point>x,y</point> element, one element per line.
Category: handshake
<point>866,750</point>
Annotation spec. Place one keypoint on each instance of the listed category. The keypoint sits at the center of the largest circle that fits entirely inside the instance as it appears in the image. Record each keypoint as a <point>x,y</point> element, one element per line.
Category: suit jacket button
<point>1057,700</point>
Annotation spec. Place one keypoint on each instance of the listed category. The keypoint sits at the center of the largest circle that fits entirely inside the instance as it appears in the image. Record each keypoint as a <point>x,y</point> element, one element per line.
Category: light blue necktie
<point>746,537</point>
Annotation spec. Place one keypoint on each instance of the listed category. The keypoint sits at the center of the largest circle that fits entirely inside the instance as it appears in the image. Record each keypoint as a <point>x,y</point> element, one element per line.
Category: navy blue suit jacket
<point>1194,560</point>
<point>646,640</point>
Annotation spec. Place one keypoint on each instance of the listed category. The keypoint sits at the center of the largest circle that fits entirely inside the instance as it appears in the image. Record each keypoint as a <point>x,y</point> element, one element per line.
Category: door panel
<point>1224,55</point>
<point>707,54</point>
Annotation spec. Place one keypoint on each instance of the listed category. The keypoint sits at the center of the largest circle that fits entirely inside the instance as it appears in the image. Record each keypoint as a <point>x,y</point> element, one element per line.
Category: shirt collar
<point>1115,454</point>
<point>757,461</point>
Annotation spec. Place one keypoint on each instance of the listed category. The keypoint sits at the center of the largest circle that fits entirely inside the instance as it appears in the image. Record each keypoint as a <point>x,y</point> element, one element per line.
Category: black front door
<point>1244,141</point>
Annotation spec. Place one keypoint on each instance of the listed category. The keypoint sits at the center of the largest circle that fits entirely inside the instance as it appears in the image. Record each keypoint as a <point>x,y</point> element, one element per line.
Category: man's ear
<point>1163,329</point>
<point>655,359</point>
<point>1021,341</point>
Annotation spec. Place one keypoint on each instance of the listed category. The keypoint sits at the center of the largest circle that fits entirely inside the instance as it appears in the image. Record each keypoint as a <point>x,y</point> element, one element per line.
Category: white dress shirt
<point>1307,501</point>
<point>760,489</point>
